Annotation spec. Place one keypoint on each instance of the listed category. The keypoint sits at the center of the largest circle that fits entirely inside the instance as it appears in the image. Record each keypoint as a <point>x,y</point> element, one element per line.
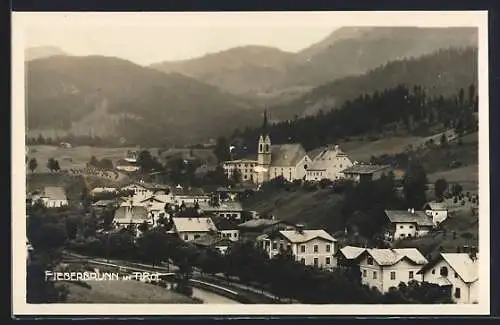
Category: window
<point>281,246</point>
<point>457,292</point>
<point>186,237</point>
<point>196,236</point>
<point>364,273</point>
<point>370,260</point>
<point>374,275</point>
<point>410,226</point>
<point>235,234</point>
<point>327,261</point>
<point>315,261</point>
<point>303,260</point>
<point>302,248</point>
<point>410,275</point>
<point>443,271</point>
<point>328,248</point>
<point>456,275</point>
<point>315,248</point>
<point>393,275</point>
<point>433,271</point>
<point>400,227</point>
<point>275,245</point>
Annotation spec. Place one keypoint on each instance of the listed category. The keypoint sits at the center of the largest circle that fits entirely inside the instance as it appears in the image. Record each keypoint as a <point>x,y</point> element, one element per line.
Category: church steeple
<point>264,124</point>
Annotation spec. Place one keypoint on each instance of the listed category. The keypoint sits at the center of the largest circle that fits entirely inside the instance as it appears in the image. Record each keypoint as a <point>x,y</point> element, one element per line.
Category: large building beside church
<point>287,160</point>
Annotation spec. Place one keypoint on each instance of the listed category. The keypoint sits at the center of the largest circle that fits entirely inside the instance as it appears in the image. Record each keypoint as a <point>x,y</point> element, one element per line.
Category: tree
<point>143,227</point>
<point>443,140</point>
<point>415,185</point>
<point>456,189</point>
<point>48,237</point>
<point>153,246</point>
<point>440,186</point>
<point>33,164</point>
<point>221,150</point>
<point>94,162</point>
<point>236,177</point>
<point>211,261</point>
<point>106,164</point>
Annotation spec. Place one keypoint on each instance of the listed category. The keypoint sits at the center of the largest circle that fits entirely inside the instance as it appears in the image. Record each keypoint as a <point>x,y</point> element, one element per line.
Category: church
<point>288,160</point>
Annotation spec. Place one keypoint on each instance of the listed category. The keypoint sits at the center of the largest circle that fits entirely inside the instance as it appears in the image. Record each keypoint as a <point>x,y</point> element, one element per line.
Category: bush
<point>184,289</point>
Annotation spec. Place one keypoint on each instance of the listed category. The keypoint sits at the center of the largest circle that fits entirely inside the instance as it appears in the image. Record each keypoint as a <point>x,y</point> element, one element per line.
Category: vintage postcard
<point>250,163</point>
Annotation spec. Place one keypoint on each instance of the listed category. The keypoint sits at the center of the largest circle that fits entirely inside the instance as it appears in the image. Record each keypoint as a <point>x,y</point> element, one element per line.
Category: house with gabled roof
<point>52,197</point>
<point>407,224</point>
<point>313,247</point>
<point>191,228</point>
<point>130,214</point>
<point>211,241</point>
<point>438,211</point>
<point>348,256</point>
<point>328,164</point>
<point>227,228</point>
<point>458,273</point>
<point>364,172</point>
<point>386,268</point>
<point>253,228</point>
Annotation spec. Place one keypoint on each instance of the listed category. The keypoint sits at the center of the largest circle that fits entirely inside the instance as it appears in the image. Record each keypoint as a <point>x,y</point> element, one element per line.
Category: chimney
<point>300,228</point>
<point>412,211</point>
<point>409,209</point>
<point>337,148</point>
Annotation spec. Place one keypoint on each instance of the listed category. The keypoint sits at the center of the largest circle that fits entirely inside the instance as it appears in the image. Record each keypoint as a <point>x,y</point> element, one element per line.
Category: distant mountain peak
<point>39,52</point>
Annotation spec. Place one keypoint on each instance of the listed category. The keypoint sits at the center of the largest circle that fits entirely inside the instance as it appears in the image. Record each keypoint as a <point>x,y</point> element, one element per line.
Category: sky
<point>150,37</point>
<point>150,44</point>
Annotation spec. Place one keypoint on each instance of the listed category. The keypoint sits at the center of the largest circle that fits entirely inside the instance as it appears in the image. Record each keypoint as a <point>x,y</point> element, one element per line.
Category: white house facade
<point>328,164</point>
<point>189,229</point>
<point>310,247</point>
<point>438,211</point>
<point>386,268</point>
<point>458,272</point>
<point>407,224</point>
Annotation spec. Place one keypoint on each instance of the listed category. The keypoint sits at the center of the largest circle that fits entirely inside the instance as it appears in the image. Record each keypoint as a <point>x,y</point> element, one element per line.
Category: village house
<point>328,164</point>
<point>52,197</point>
<point>213,242</point>
<point>227,229</point>
<point>458,273</point>
<point>107,203</point>
<point>189,229</point>
<point>99,190</point>
<point>142,191</point>
<point>310,247</point>
<point>253,228</point>
<point>154,205</point>
<point>230,210</point>
<point>362,172</point>
<point>386,268</point>
<point>348,256</point>
<point>126,166</point>
<point>128,214</point>
<point>289,161</point>
<point>407,224</point>
<point>188,196</point>
<point>245,168</point>
<point>438,211</point>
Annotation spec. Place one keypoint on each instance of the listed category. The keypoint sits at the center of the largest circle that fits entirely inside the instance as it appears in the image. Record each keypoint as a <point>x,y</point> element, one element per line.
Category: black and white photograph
<point>201,163</point>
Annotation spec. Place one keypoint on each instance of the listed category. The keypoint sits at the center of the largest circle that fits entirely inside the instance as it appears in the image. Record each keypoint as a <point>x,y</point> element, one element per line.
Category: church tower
<point>264,152</point>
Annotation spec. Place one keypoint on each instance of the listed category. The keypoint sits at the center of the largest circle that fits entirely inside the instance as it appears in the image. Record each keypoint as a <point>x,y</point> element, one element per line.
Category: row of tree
<point>392,111</point>
<point>52,164</point>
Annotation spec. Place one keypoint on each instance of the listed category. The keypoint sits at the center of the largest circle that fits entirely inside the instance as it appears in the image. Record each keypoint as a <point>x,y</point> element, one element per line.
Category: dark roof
<point>364,169</point>
<point>212,241</point>
<point>404,216</point>
<point>188,191</point>
<point>225,224</point>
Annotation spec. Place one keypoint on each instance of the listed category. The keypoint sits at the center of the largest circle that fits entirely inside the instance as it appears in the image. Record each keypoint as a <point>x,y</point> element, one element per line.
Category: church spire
<point>264,124</point>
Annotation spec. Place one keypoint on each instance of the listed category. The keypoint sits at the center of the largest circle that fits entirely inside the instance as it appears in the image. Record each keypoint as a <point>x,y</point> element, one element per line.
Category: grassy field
<point>72,184</point>
<point>363,150</point>
<point>465,176</point>
<point>312,208</point>
<point>76,157</point>
<point>123,292</point>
